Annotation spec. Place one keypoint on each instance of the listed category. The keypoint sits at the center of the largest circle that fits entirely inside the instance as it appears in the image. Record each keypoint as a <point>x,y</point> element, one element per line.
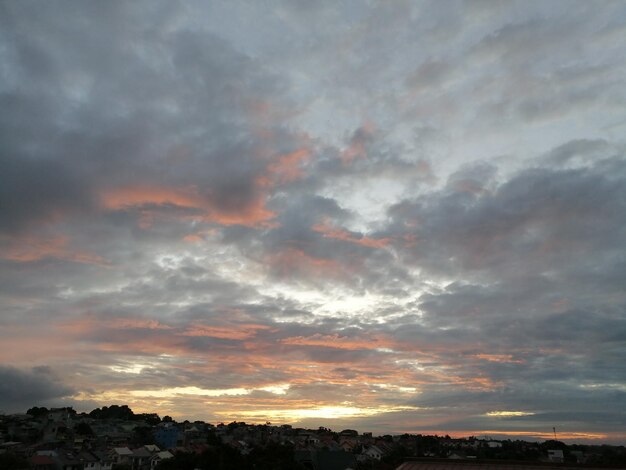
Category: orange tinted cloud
<point>293,260</point>
<point>255,213</point>
<point>41,341</point>
<point>92,323</point>
<point>541,435</point>
<point>357,147</point>
<point>335,342</point>
<point>137,345</point>
<point>142,195</point>
<point>498,358</point>
<point>476,383</point>
<point>328,231</point>
<point>192,238</point>
<point>288,168</point>
<point>410,240</point>
<point>34,248</point>
<point>355,150</point>
<point>236,331</point>
<point>152,336</point>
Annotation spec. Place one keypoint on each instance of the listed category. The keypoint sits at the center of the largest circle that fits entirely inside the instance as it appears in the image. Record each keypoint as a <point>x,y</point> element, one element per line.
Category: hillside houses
<point>114,437</point>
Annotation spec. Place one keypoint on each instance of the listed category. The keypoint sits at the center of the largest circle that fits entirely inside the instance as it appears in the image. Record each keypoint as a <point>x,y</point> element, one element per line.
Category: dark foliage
<point>113,412</point>
<point>83,429</point>
<point>142,436</point>
<point>223,457</point>
<point>12,462</point>
<point>151,419</point>
<point>37,411</point>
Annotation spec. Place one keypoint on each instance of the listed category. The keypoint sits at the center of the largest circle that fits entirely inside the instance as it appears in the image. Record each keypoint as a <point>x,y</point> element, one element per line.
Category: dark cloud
<point>428,74</point>
<point>529,224</point>
<point>38,190</point>
<point>584,149</point>
<point>25,388</point>
<point>159,113</point>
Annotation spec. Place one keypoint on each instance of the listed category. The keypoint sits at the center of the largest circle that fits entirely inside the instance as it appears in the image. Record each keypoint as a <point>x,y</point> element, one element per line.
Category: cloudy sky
<point>393,216</point>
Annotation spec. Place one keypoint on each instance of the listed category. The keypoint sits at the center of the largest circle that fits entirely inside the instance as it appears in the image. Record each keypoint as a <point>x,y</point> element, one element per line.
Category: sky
<point>400,216</point>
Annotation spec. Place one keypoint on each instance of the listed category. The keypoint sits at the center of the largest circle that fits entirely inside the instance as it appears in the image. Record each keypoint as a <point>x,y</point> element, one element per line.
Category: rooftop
<point>489,465</point>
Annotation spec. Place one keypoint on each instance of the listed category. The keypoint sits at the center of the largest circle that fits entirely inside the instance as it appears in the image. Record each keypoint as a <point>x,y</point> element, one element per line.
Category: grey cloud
<point>429,74</point>
<point>482,279</point>
<point>36,189</point>
<point>546,400</point>
<point>476,178</point>
<point>148,102</point>
<point>584,149</point>
<point>552,83</point>
<point>528,225</point>
<point>516,41</point>
<point>300,214</point>
<point>23,388</point>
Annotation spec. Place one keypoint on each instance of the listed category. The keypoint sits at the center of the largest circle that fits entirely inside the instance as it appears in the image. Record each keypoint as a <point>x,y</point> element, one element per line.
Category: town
<point>116,438</point>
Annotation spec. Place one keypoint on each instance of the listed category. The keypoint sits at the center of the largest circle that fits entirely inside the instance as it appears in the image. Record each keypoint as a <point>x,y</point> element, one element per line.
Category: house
<point>106,462</point>
<point>167,437</point>
<point>556,455</point>
<point>494,444</point>
<point>68,461</point>
<point>578,455</point>
<point>63,415</point>
<point>90,461</point>
<point>329,460</point>
<point>384,447</point>
<point>13,447</point>
<point>325,459</point>
<point>54,430</point>
<point>373,452</point>
<point>330,444</point>
<point>121,455</point>
<point>42,462</point>
<point>156,458</point>
<point>140,458</point>
<point>347,446</point>
<point>241,446</point>
<point>194,435</point>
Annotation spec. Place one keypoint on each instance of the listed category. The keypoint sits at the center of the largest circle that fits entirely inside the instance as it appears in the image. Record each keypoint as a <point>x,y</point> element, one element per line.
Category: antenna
<point>554,430</point>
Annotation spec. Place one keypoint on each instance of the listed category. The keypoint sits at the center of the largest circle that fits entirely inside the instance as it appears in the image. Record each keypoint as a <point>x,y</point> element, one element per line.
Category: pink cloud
<point>232,331</point>
<point>337,342</point>
<point>254,213</point>
<point>358,144</point>
<point>31,248</point>
<point>286,168</point>
<point>290,261</point>
<point>328,231</point>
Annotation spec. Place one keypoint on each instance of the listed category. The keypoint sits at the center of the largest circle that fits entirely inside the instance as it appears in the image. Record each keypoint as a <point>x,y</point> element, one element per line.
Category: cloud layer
<point>403,217</point>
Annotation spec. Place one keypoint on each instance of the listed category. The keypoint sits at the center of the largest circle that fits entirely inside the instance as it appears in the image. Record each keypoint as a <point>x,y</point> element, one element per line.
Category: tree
<point>113,412</point>
<point>142,435</point>
<point>151,419</point>
<point>553,444</point>
<point>120,466</point>
<point>37,412</point>
<point>83,429</point>
<point>12,462</point>
<point>273,457</point>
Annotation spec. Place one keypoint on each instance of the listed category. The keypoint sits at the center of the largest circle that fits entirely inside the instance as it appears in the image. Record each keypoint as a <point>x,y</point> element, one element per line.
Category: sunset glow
<point>392,217</point>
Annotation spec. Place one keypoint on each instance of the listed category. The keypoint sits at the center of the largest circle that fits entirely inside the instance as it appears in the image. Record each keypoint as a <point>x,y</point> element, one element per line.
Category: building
<point>168,437</point>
